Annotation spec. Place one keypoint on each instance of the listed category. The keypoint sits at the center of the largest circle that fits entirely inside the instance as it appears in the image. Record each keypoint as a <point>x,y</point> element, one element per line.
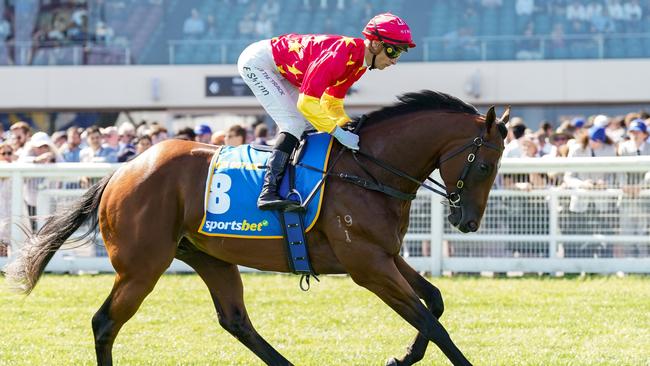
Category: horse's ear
<point>503,130</point>
<point>506,115</point>
<point>490,116</point>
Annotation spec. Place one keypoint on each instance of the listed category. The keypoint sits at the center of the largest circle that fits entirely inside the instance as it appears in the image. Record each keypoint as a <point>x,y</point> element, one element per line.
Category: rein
<point>453,197</point>
<point>376,185</point>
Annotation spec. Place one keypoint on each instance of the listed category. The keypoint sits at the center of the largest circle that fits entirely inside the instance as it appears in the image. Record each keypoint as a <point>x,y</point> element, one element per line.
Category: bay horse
<point>149,210</point>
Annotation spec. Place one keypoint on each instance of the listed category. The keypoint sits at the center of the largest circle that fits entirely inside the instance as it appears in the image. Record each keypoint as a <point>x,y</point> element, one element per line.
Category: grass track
<point>589,321</point>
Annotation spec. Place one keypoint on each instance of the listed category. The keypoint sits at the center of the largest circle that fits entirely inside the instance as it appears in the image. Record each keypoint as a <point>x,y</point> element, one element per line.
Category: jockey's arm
<point>334,107</point>
<point>324,113</point>
<point>321,95</point>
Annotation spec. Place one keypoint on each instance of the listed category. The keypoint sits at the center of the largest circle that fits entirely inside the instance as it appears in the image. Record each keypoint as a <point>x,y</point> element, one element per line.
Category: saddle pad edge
<point>208,182</point>
<point>322,188</point>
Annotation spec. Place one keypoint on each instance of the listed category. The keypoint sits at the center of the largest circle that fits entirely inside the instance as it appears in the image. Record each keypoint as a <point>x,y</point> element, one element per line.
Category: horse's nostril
<point>454,218</point>
<point>472,225</point>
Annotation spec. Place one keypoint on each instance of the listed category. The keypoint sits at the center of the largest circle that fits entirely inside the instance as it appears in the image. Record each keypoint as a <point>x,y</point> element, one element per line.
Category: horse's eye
<point>484,168</point>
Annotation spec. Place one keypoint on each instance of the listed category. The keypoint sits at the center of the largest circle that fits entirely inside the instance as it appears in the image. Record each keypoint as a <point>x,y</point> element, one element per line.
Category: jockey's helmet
<point>389,28</point>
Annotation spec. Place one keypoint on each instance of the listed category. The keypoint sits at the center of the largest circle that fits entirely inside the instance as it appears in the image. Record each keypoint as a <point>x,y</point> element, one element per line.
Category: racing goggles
<point>393,51</point>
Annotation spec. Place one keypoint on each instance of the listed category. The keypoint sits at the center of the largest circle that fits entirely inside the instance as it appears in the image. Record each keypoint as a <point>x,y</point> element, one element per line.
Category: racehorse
<point>148,212</point>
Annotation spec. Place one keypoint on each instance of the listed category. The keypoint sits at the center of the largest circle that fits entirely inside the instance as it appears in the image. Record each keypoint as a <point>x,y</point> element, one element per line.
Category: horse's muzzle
<point>456,219</point>
<point>455,216</point>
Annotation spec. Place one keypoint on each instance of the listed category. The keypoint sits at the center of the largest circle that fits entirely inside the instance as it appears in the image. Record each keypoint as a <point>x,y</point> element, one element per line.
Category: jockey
<point>305,77</point>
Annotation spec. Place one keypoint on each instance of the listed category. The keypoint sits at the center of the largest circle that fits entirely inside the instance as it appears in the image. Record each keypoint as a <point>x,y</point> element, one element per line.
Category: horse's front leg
<point>432,298</point>
<point>376,270</point>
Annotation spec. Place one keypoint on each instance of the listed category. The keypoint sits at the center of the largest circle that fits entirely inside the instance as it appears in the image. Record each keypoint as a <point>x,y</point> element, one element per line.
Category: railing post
<point>75,56</point>
<point>483,50</point>
<point>425,51</point>
<point>24,55</point>
<point>601,46</point>
<point>17,206</point>
<point>553,224</point>
<point>127,55</point>
<point>435,247</point>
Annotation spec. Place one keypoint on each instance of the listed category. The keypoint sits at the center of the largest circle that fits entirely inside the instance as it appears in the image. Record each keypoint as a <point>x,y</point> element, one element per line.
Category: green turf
<point>592,321</point>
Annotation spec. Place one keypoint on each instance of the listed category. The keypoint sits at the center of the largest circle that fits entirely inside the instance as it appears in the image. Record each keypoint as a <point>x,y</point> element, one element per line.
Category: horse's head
<point>469,169</point>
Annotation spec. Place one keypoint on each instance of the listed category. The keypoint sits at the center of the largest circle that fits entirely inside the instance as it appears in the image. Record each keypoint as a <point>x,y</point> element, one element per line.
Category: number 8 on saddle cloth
<point>234,182</point>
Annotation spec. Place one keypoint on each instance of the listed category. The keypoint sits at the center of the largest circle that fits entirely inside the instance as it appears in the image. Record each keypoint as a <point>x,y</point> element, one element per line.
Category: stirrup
<point>296,208</point>
<point>279,205</point>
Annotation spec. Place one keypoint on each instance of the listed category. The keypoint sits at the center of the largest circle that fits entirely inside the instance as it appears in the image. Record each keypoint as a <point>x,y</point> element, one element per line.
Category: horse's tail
<point>23,273</point>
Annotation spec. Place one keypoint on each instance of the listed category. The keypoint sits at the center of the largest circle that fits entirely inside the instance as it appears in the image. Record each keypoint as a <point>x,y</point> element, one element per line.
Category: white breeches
<point>275,93</point>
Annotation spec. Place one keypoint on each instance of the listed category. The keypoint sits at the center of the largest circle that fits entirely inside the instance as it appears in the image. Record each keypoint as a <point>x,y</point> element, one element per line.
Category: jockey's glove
<point>346,138</point>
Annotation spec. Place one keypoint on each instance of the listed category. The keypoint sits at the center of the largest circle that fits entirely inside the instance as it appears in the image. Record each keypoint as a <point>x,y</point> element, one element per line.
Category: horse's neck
<point>411,143</point>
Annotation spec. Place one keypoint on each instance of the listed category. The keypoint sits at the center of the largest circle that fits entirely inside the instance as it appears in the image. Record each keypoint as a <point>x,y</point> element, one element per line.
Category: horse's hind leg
<point>227,292</point>
<point>135,279</point>
<point>432,298</point>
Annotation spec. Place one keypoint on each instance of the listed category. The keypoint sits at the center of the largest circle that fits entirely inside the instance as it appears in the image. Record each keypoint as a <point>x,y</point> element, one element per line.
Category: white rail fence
<point>534,220</point>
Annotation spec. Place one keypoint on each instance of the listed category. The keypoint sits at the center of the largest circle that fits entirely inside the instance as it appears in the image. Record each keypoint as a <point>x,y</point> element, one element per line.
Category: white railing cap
<point>57,169</point>
<point>613,164</point>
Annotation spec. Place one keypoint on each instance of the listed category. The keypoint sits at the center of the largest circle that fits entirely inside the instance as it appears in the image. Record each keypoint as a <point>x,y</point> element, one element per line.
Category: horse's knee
<point>437,306</point>
<point>236,323</point>
<point>432,297</point>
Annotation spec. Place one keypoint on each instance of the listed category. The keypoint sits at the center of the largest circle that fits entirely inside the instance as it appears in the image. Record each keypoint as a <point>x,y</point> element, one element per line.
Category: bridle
<point>374,184</point>
<point>475,144</point>
<point>454,197</point>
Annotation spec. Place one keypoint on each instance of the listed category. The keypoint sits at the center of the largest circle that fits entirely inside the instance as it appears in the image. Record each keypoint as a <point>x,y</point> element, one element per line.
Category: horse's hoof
<point>392,362</point>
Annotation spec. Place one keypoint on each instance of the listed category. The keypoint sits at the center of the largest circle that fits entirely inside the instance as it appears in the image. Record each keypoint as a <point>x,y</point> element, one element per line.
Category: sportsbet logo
<point>235,225</point>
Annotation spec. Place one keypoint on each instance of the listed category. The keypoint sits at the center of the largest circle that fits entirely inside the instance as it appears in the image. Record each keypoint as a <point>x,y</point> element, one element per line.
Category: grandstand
<point>151,32</point>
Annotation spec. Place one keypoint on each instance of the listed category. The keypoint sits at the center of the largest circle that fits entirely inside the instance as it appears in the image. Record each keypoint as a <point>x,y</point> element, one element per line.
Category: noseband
<point>454,197</point>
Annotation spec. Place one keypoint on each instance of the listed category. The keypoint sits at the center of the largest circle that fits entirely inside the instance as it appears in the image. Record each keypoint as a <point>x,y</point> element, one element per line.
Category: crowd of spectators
<point>64,32</point>
<point>573,135</point>
<point>579,136</point>
<point>531,29</point>
<point>595,136</point>
<point>258,22</point>
<point>65,24</point>
<point>566,24</point>
<point>113,144</point>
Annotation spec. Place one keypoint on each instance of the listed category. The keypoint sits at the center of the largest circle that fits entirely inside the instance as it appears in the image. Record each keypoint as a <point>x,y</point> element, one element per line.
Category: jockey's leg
<point>269,198</point>
<point>278,97</point>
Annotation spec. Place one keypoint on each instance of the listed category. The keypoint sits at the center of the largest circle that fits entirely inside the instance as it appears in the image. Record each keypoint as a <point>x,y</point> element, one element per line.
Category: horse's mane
<point>423,100</point>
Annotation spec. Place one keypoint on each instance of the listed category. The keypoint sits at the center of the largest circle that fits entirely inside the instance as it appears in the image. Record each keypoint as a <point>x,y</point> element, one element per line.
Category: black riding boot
<point>269,198</point>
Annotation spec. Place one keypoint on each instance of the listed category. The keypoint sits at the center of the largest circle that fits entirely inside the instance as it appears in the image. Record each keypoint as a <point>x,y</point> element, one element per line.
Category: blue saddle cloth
<point>234,182</point>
